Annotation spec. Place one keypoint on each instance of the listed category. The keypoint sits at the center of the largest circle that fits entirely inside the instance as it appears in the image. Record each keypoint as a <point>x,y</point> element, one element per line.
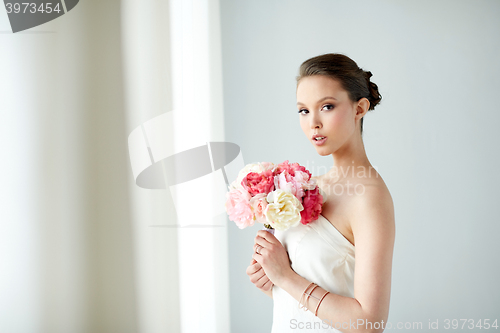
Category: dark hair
<point>353,79</point>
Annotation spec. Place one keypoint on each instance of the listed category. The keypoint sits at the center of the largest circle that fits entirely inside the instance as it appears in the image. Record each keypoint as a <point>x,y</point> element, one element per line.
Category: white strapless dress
<point>321,254</point>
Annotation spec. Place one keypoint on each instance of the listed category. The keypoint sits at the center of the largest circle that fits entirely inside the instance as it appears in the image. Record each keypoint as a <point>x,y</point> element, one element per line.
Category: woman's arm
<point>373,226</point>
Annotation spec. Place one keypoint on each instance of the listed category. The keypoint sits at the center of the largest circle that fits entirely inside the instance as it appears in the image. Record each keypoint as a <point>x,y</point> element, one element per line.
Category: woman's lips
<point>319,142</point>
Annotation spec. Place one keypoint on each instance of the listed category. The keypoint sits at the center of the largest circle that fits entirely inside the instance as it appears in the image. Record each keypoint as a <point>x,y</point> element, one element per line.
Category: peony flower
<point>283,209</point>
<point>311,184</point>
<point>252,167</point>
<point>291,168</point>
<point>266,166</point>
<point>281,182</point>
<point>286,182</point>
<point>259,204</point>
<point>279,196</point>
<point>312,202</point>
<point>256,183</point>
<point>238,207</point>
<point>297,167</point>
<point>323,194</point>
<point>304,182</point>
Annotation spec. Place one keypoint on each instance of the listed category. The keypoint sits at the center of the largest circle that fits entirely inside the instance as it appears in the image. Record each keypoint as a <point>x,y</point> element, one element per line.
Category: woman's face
<point>325,109</point>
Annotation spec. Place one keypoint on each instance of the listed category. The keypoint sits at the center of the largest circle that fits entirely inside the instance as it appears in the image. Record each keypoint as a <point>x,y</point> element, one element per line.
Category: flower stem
<point>268,228</point>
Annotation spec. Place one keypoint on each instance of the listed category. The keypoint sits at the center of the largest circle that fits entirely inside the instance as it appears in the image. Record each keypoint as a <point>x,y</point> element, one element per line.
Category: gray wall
<point>433,138</point>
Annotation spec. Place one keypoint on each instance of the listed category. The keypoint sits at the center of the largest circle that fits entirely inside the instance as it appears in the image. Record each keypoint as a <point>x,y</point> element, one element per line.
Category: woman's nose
<point>315,122</point>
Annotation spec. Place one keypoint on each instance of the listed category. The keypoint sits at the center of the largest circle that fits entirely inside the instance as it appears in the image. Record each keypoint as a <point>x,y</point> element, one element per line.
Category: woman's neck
<point>350,161</point>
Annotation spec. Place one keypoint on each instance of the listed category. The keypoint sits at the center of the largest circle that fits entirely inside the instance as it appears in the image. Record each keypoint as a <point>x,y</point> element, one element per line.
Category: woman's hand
<point>258,276</point>
<point>272,257</point>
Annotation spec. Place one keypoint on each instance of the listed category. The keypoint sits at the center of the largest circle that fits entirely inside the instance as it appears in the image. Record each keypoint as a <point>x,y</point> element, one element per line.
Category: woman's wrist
<point>288,279</point>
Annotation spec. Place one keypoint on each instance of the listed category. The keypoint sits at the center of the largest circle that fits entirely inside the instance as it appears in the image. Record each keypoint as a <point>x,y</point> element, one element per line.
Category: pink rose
<point>312,202</point>
<point>238,207</point>
<point>256,183</point>
<point>259,204</point>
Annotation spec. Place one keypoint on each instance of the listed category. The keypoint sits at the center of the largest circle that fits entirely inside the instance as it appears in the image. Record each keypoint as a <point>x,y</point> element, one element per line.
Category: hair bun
<point>375,96</point>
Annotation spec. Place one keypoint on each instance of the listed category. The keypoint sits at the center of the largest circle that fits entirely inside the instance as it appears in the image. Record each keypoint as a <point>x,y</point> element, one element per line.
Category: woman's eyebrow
<point>321,100</point>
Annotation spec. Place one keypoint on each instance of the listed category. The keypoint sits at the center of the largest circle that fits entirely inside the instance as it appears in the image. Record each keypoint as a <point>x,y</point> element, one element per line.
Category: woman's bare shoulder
<point>373,202</point>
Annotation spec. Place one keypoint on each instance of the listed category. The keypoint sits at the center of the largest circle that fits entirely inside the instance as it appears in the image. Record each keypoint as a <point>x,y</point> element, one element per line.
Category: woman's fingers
<point>257,248</point>
<point>267,286</point>
<point>273,258</point>
<point>257,275</point>
<point>269,237</point>
<point>261,281</point>
<point>253,268</point>
<point>262,242</point>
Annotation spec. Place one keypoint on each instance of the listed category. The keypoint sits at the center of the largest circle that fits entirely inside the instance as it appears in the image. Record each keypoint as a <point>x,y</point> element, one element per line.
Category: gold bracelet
<point>304,293</point>
<point>317,307</point>
<point>310,293</point>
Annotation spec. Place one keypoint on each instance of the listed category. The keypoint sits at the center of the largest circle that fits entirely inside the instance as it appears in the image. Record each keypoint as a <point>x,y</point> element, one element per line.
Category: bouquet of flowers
<point>279,196</point>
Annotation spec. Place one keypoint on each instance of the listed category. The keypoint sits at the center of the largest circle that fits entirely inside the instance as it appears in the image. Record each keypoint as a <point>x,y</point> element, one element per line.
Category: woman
<point>312,266</point>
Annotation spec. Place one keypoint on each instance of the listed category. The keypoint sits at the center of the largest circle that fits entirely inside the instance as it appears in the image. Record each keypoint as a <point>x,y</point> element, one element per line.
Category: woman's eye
<point>329,106</point>
<point>300,111</point>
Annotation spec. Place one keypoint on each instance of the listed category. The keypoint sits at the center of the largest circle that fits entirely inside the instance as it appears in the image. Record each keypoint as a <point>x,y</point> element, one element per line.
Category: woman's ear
<point>362,107</point>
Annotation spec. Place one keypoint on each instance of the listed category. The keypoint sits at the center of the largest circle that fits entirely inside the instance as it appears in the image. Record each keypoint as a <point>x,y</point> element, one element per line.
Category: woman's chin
<point>323,152</point>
